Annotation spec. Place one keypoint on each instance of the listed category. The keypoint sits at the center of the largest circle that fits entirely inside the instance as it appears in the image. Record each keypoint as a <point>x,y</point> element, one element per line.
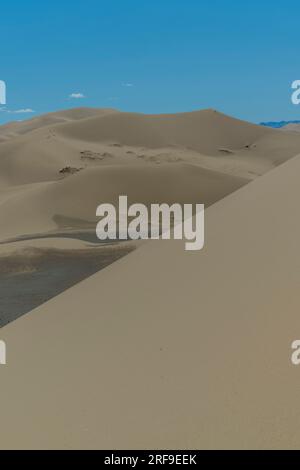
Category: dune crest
<point>53,177</point>
<point>56,169</point>
<point>211,331</point>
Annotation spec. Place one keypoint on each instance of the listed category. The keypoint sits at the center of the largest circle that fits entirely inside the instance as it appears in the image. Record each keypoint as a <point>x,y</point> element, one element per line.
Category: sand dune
<point>13,129</point>
<point>204,131</point>
<point>65,169</point>
<point>208,132</point>
<point>164,348</point>
<point>192,352</point>
<point>30,153</point>
<point>57,168</point>
<point>43,207</point>
<point>51,184</point>
<point>206,138</point>
<point>292,127</point>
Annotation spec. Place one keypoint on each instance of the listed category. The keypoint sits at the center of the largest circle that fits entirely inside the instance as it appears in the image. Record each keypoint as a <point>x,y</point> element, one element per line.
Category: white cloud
<point>76,96</point>
<point>22,111</point>
<point>128,85</point>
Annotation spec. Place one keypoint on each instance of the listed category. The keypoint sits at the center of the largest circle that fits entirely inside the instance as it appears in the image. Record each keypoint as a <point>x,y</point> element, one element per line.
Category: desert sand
<point>56,169</point>
<point>53,176</point>
<point>292,127</point>
<point>163,348</point>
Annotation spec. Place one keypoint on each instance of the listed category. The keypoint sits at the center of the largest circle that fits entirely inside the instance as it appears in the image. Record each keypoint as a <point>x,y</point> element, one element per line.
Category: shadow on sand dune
<point>32,276</point>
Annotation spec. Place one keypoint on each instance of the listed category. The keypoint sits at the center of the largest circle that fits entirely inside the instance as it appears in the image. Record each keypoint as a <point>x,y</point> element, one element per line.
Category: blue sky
<point>151,56</point>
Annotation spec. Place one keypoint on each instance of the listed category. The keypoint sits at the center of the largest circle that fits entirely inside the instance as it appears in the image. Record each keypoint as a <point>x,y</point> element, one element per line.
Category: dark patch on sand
<point>69,170</point>
<point>30,277</point>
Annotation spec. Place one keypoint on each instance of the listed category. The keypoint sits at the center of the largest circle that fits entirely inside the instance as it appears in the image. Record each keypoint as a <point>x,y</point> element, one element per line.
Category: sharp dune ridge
<point>193,352</point>
<point>53,177</point>
<point>62,165</point>
<point>163,348</point>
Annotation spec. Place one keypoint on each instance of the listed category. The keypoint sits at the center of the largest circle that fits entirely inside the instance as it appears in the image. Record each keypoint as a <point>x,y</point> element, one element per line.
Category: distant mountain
<point>279,124</point>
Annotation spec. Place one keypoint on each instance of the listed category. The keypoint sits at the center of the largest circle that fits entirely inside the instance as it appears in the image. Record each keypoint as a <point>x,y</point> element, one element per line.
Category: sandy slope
<point>64,164</point>
<point>40,208</point>
<point>208,132</point>
<point>168,349</point>
<point>13,129</point>
<point>204,130</point>
<point>205,138</point>
<point>292,127</point>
